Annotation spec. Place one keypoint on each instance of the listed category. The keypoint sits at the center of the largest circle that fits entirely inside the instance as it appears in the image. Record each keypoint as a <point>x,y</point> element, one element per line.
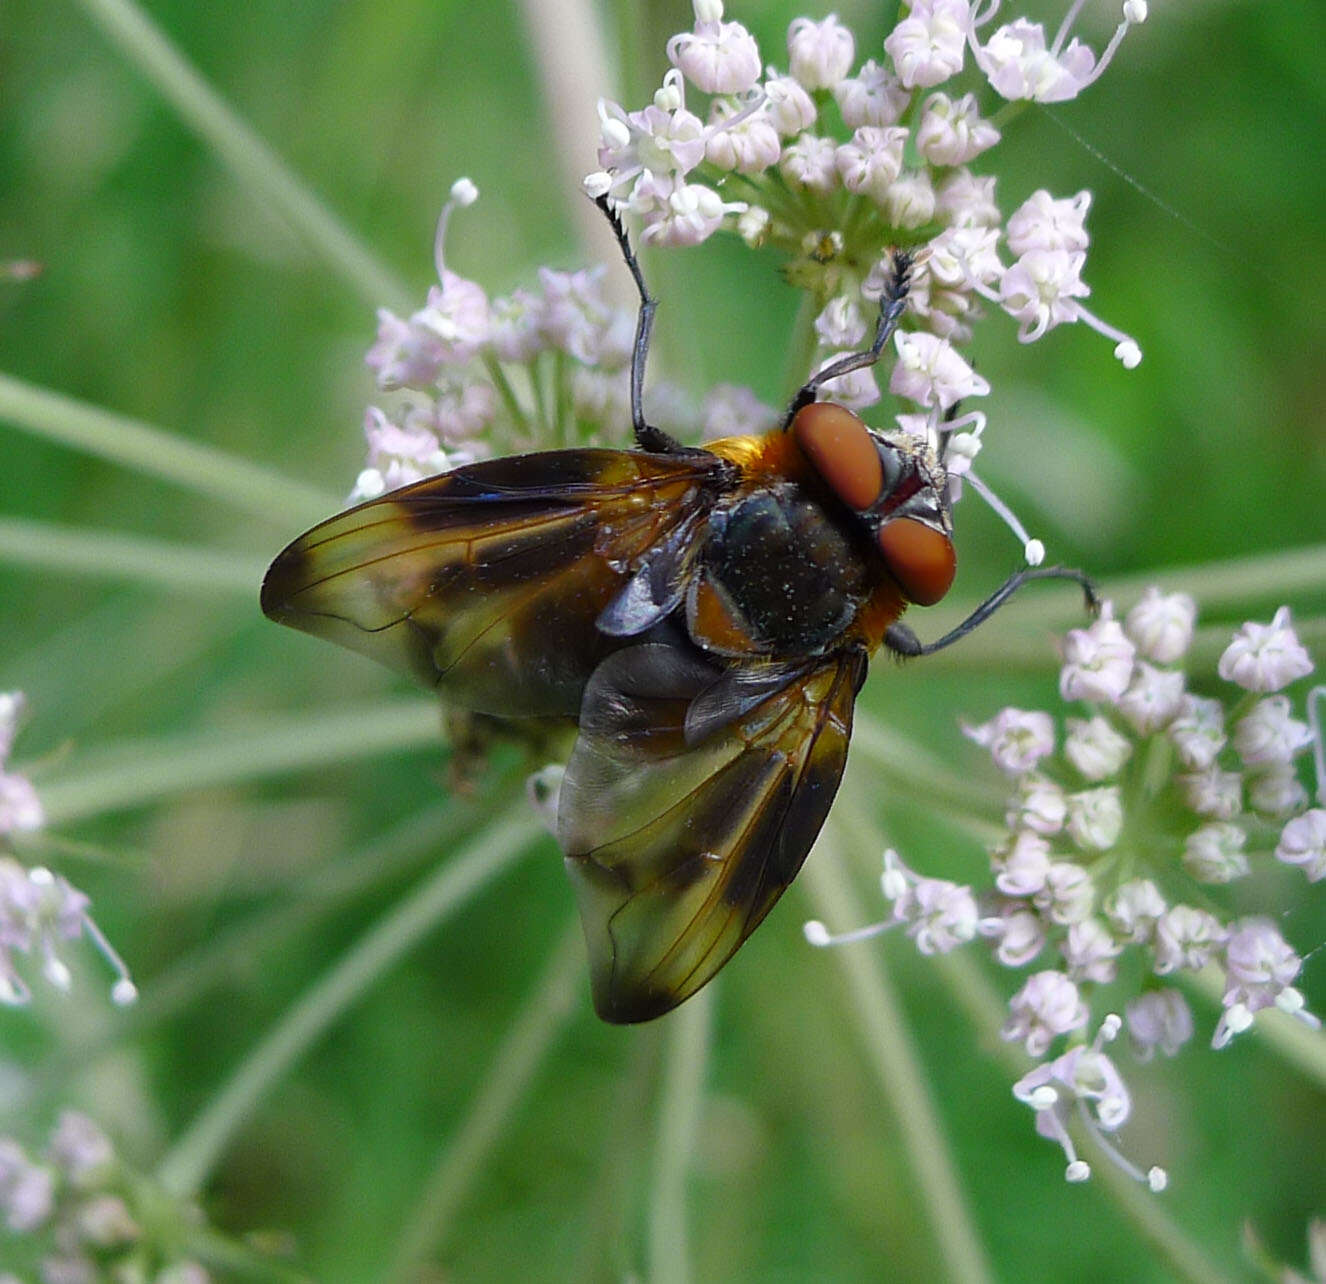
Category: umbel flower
<point>40,912</point>
<point>78,1212</point>
<point>1117,844</point>
<point>835,163</point>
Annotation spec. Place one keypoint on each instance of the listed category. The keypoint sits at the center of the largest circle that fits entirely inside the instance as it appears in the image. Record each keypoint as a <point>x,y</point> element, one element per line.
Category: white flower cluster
<point>468,375</point>
<point>838,164</point>
<point>39,910</point>
<point>86,1217</point>
<point>1116,840</point>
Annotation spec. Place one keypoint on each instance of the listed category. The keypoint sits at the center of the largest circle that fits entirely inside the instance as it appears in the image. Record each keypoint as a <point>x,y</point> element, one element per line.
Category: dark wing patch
<point>486,582</point>
<point>678,850</point>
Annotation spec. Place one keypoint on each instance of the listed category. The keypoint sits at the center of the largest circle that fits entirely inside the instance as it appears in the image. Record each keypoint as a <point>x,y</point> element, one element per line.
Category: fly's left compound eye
<point>920,558</point>
<point>842,451</point>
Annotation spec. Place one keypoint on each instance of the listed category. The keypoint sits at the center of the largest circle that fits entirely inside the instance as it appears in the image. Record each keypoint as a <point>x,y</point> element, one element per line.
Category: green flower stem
<point>911,764</point>
<point>1294,1042</point>
<point>248,158</point>
<point>98,554</point>
<point>238,1262</point>
<point>881,1025</point>
<point>322,892</point>
<point>528,1040</point>
<point>156,453</point>
<point>145,771</point>
<point>684,1069</point>
<point>185,1167</point>
<point>985,1009</point>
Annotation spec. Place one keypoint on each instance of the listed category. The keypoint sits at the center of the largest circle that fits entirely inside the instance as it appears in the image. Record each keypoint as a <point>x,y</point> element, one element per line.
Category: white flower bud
<point>874,96</point>
<point>1214,854</point>
<point>928,46</point>
<point>1134,908</point>
<point>1197,731</point>
<point>1265,657</point>
<point>810,162</point>
<point>1089,952</point>
<point>1276,792</point>
<point>789,106</point>
<point>1068,895</point>
<point>1022,864</point>
<point>819,54</point>
<point>1303,843</point>
<point>1161,625</point>
<point>910,200</point>
<point>1185,938</point>
<point>930,373</point>
<point>1016,738</point>
<point>1098,661</point>
<point>1038,805</point>
<point>1095,818</point>
<point>1095,748</point>
<point>717,57</point>
<point>1048,1005</point>
<point>1158,1019</point>
<point>952,133</point>
<point>1213,793</point>
<point>1268,735</point>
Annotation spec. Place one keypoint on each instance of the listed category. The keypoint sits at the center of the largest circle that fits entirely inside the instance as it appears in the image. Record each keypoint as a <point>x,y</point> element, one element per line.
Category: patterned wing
<point>486,582</point>
<point>690,801</point>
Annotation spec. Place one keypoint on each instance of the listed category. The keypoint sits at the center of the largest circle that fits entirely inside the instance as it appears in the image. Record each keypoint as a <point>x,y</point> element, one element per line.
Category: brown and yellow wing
<point>690,801</point>
<point>486,582</point>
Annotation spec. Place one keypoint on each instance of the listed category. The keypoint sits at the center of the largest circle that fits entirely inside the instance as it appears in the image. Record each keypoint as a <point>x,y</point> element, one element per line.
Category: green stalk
<point>156,453</point>
<point>528,1041</point>
<point>881,1024</point>
<point>985,1008</point>
<point>185,1166</point>
<point>684,1070</point>
<point>142,772</point>
<point>254,164</point>
<point>910,764</point>
<point>66,550</point>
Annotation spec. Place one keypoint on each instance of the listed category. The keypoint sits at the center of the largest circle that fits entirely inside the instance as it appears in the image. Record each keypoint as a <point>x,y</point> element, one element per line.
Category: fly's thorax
<point>779,575</point>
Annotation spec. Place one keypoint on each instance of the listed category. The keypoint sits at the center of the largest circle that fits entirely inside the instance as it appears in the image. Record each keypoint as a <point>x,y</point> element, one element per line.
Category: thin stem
<point>254,164</point>
<point>880,1022</point>
<point>985,1008</point>
<point>684,1070</point>
<point>909,763</point>
<point>529,1039</point>
<point>156,453</point>
<point>97,554</point>
<point>321,893</point>
<point>143,772</point>
<point>185,1167</point>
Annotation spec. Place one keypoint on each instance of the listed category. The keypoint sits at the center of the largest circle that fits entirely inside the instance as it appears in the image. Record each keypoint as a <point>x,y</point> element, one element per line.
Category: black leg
<point>648,437</point>
<point>891,305</point>
<point>902,641</point>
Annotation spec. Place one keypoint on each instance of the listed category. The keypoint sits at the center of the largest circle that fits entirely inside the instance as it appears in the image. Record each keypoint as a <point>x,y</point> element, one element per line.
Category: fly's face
<point>895,490</point>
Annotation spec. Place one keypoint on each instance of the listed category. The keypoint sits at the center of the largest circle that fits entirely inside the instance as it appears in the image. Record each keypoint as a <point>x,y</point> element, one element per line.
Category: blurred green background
<point>170,294</point>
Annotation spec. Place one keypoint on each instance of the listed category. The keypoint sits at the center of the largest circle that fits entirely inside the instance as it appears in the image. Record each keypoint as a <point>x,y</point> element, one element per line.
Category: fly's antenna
<point>892,303</point>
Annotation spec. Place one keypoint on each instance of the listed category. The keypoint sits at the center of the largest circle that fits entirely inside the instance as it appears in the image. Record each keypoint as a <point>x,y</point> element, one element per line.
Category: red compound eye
<point>920,558</point>
<point>843,452</point>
